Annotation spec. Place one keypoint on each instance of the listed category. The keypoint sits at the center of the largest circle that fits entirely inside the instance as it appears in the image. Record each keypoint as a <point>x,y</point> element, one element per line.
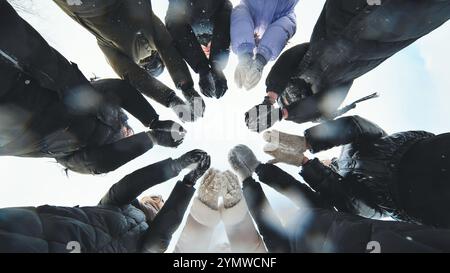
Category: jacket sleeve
<point>131,186</point>
<point>177,22</point>
<point>329,184</point>
<point>271,229</point>
<point>23,47</point>
<point>175,64</point>
<point>123,94</point>
<point>138,77</point>
<point>242,30</point>
<point>276,36</point>
<point>319,105</point>
<point>109,157</point>
<point>287,185</point>
<point>168,219</point>
<point>283,69</point>
<point>342,131</point>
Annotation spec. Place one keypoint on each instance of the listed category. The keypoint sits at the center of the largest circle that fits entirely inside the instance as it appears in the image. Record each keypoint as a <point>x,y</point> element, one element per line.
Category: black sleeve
<point>131,186</point>
<point>138,77</point>
<point>284,68</point>
<point>220,44</point>
<point>312,107</point>
<point>178,24</point>
<point>109,157</point>
<point>330,185</point>
<point>271,229</point>
<point>175,64</point>
<point>287,185</point>
<point>168,219</point>
<point>342,131</point>
<point>22,46</point>
<point>123,94</point>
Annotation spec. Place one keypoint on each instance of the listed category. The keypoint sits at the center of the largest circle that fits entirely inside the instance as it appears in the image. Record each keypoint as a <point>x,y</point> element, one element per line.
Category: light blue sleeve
<point>277,35</point>
<point>242,30</point>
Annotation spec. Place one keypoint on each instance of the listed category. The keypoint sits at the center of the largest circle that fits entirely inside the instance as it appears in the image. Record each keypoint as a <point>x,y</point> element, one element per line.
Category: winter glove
<point>207,85</point>
<point>232,190</point>
<point>244,65</point>
<point>296,144</point>
<point>166,133</point>
<point>211,189</point>
<point>283,155</point>
<point>190,159</point>
<point>196,103</point>
<point>255,73</point>
<point>220,83</point>
<point>263,116</point>
<point>243,161</point>
<point>182,110</point>
<point>191,178</point>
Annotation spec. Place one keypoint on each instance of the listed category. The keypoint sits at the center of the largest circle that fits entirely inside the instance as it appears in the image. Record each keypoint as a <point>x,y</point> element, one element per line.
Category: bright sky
<point>413,86</point>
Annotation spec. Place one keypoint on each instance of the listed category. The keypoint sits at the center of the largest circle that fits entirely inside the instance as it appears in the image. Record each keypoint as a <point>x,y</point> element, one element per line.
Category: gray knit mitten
<point>243,161</point>
<point>232,189</point>
<point>296,144</point>
<point>211,189</point>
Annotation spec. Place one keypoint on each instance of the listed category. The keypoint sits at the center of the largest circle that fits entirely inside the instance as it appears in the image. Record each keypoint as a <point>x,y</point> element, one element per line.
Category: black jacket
<point>49,109</point>
<point>117,224</point>
<point>195,23</point>
<point>350,39</point>
<point>317,227</point>
<point>366,171</point>
<point>128,32</point>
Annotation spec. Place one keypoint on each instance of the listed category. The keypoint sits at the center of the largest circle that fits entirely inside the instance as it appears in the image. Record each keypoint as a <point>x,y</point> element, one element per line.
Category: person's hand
<point>243,161</point>
<point>283,155</point>
<point>211,189</point>
<point>207,84</point>
<point>166,133</point>
<point>191,178</point>
<point>296,144</point>
<point>254,75</point>
<point>220,83</point>
<point>190,158</point>
<point>263,116</point>
<point>244,65</point>
<point>196,104</point>
<point>232,190</point>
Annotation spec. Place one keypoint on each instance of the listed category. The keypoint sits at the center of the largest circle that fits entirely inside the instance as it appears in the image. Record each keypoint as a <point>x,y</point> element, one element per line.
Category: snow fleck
<point>27,82</point>
<point>409,238</point>
<point>74,2</point>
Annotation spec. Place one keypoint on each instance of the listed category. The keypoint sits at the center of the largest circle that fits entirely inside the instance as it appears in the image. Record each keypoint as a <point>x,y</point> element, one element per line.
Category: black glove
<point>220,83</point>
<point>166,133</point>
<point>263,116</point>
<point>190,158</point>
<point>154,65</point>
<point>207,85</point>
<point>191,178</point>
<point>196,103</point>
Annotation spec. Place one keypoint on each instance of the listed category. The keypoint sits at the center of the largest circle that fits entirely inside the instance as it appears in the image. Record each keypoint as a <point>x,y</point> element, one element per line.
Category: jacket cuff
<point>204,214</point>
<point>245,48</point>
<point>236,214</point>
<point>314,147</point>
<point>265,52</point>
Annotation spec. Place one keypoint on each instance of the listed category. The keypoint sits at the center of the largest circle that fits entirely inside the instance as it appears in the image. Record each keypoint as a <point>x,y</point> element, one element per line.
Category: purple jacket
<point>272,21</point>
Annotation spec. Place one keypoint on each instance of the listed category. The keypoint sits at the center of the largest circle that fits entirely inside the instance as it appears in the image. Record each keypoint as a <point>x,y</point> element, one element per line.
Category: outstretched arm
<point>287,185</point>
<point>109,157</point>
<point>134,184</point>
<point>284,67</point>
<point>138,77</point>
<point>168,220</point>
<point>342,131</point>
<point>269,225</point>
<point>123,94</point>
